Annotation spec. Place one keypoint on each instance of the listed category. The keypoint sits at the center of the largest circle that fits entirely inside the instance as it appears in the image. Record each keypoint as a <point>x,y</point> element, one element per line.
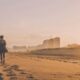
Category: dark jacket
<point>3,46</point>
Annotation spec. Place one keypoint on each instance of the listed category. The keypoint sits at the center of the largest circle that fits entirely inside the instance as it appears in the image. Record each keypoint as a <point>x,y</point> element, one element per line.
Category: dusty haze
<point>30,22</point>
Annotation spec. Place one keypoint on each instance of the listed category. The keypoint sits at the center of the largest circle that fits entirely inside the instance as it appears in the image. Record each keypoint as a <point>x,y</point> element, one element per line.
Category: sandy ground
<point>24,67</point>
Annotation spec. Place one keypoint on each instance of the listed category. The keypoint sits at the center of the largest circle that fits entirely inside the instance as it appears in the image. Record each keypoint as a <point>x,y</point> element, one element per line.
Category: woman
<point>3,49</point>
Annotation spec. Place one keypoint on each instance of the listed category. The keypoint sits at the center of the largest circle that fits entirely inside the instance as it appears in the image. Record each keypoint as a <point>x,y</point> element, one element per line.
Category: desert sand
<point>27,67</point>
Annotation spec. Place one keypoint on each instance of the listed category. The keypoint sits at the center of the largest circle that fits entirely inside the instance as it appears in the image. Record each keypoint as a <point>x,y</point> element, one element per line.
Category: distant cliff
<point>48,43</point>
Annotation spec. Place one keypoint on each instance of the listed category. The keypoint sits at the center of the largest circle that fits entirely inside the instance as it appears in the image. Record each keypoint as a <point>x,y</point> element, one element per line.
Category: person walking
<point>3,49</point>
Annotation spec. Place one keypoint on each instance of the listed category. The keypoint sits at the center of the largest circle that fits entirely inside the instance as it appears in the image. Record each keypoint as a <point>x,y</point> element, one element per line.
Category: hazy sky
<point>31,21</point>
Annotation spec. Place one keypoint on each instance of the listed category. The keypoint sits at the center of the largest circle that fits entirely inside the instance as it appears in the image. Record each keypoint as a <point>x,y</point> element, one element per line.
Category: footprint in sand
<point>13,78</point>
<point>15,73</point>
<point>11,73</point>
